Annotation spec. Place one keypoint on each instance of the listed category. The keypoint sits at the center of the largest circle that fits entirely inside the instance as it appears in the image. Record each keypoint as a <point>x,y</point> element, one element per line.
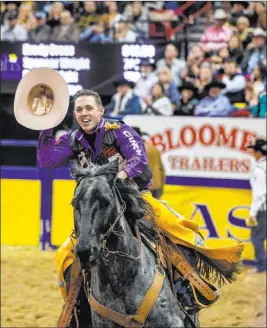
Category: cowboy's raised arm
<point>52,153</point>
<point>133,149</point>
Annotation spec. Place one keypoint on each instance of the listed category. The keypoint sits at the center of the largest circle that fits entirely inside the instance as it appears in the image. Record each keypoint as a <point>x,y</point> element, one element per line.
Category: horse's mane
<point>136,207</point>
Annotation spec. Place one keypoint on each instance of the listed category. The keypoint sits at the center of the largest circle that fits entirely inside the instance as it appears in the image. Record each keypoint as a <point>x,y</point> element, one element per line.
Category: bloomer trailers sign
<point>203,147</point>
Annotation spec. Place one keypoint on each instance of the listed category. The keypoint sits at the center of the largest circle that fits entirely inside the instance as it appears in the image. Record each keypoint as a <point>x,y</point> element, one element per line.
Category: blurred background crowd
<point>224,73</point>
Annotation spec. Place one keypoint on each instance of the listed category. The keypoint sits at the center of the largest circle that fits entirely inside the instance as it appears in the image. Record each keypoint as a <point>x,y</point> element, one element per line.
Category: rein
<point>106,251</point>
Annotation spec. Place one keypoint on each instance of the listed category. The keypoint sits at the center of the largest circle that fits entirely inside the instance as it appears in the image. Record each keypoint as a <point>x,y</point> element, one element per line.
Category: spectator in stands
<point>89,16</point>
<point>148,78</point>
<point>188,100</point>
<point>13,31</point>
<point>262,21</point>
<point>42,31</point>
<point>96,33</point>
<point>2,11</point>
<point>54,14</point>
<point>235,48</point>
<point>255,53</point>
<point>194,60</point>
<point>216,36</point>
<point>113,16</point>
<point>170,90</point>
<point>234,81</point>
<point>243,31</point>
<point>216,104</point>
<point>238,10</point>
<point>10,8</point>
<point>218,60</point>
<point>158,104</point>
<point>26,17</point>
<point>76,8</point>
<point>67,30</point>
<point>171,61</point>
<point>137,15</point>
<point>205,77</point>
<point>257,14</point>
<point>123,33</point>
<point>256,84</point>
<point>154,5</point>
<point>125,101</point>
<point>155,164</point>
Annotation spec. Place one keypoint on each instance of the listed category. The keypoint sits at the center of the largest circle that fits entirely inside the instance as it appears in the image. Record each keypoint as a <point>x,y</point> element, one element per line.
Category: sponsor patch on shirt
<point>133,142</point>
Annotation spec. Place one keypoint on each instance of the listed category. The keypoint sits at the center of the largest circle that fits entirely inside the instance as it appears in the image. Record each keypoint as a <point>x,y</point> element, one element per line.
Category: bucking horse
<point>125,283</point>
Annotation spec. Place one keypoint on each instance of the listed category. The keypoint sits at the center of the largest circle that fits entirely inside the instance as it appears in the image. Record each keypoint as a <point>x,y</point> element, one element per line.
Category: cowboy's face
<point>88,113</point>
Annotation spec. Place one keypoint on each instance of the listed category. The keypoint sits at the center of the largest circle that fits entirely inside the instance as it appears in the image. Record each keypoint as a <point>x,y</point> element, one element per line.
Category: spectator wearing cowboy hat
<point>13,31</point>
<point>238,10</point>
<point>125,101</point>
<point>256,51</point>
<point>216,104</point>
<point>188,101</point>
<point>216,36</point>
<point>42,31</point>
<point>147,79</point>
<point>257,214</point>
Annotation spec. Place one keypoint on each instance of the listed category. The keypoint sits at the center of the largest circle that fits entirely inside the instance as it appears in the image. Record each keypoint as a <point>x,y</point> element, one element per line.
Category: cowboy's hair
<point>86,92</point>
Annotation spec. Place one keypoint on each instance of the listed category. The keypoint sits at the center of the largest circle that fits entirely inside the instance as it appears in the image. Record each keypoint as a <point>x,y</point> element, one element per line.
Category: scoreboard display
<point>92,66</point>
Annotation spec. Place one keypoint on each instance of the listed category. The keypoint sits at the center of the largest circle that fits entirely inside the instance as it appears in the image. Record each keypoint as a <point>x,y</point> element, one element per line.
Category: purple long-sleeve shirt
<point>52,153</point>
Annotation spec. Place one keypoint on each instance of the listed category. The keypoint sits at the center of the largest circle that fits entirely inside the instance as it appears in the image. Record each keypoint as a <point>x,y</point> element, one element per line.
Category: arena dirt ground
<point>30,297</point>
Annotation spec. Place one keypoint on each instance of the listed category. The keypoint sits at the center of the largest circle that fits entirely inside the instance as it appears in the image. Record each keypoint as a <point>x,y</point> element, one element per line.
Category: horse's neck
<point>118,268</point>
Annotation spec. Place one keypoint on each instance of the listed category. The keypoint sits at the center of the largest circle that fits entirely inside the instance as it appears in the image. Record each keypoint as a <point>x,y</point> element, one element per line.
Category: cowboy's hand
<point>122,175</point>
<point>252,221</point>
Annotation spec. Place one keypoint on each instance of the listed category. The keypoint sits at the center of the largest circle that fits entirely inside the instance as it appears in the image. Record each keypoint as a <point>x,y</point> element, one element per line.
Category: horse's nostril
<point>83,255</point>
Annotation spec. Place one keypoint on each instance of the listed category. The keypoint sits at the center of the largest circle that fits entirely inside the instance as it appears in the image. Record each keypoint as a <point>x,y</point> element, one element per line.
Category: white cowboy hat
<point>259,32</point>
<point>220,14</point>
<point>41,99</point>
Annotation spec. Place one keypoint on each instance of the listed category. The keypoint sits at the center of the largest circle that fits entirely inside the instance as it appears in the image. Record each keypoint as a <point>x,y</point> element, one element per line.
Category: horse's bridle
<point>106,251</point>
<point>121,208</point>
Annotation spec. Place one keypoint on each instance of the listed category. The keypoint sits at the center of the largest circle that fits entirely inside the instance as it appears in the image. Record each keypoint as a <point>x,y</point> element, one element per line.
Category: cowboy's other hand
<point>122,175</point>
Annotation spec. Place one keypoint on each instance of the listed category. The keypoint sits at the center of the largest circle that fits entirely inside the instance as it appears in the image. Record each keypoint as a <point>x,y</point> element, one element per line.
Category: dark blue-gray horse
<point>118,277</point>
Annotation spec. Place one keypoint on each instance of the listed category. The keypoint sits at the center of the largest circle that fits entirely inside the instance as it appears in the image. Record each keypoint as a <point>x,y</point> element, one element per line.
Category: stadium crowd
<point>223,75</point>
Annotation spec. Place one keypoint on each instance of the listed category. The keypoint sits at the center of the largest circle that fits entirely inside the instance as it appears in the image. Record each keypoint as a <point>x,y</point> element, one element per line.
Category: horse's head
<point>95,206</point>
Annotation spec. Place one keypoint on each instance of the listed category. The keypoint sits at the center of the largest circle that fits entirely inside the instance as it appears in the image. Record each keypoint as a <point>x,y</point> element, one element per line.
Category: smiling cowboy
<point>100,141</point>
